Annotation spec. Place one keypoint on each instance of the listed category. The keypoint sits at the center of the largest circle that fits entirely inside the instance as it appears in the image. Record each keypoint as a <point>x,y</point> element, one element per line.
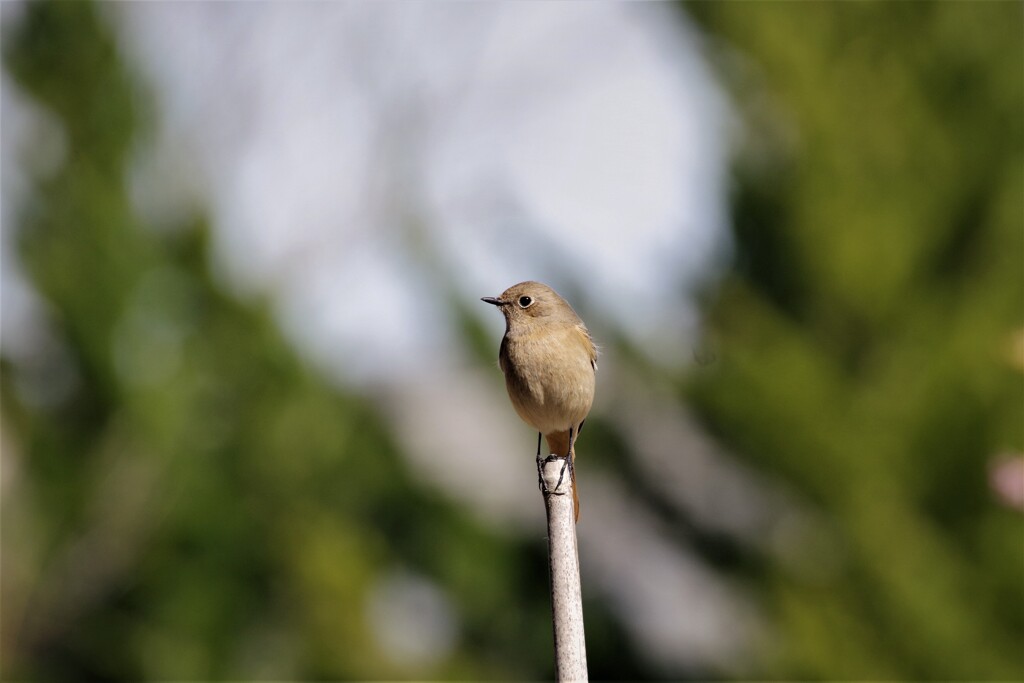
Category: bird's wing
<point>589,345</point>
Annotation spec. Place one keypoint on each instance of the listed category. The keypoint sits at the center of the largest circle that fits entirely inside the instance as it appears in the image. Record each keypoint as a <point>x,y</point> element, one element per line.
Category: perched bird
<point>549,361</point>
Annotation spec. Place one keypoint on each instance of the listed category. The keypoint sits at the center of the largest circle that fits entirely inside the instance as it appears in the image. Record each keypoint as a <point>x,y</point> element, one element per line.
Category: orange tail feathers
<point>575,493</point>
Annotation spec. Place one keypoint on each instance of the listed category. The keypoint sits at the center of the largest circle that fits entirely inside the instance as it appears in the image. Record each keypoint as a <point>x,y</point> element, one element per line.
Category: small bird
<point>550,363</point>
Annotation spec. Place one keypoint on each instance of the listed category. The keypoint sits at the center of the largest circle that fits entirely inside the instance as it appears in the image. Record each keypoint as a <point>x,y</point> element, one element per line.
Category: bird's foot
<point>566,465</point>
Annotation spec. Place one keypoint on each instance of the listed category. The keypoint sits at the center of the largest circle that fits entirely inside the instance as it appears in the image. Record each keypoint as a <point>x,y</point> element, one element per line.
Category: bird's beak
<point>494,301</point>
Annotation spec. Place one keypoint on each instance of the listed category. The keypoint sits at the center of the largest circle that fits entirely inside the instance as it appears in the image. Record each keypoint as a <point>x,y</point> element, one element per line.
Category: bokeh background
<point>252,423</point>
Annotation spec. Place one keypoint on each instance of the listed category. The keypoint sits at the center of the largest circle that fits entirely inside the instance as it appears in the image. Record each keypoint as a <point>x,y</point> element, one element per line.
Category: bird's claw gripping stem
<point>566,464</point>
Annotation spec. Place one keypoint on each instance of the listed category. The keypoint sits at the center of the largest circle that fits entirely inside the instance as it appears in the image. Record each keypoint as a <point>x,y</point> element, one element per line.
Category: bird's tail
<point>575,491</point>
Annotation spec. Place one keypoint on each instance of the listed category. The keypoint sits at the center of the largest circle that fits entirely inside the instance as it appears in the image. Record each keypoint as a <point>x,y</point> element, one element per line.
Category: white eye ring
<point>525,302</point>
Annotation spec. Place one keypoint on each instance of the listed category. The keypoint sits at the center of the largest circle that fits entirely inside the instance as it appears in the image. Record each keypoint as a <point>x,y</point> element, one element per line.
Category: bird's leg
<point>540,465</point>
<point>566,463</point>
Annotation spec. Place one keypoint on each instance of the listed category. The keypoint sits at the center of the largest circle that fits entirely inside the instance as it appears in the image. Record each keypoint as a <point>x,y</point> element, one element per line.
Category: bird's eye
<point>525,301</point>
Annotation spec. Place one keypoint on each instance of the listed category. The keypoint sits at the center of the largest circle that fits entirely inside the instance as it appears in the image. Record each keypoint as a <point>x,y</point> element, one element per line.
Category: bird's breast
<point>549,374</point>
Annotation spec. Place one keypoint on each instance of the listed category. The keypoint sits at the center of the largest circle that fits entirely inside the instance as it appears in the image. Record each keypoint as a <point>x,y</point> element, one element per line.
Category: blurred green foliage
<point>199,504</point>
<point>862,338</point>
<point>196,503</point>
